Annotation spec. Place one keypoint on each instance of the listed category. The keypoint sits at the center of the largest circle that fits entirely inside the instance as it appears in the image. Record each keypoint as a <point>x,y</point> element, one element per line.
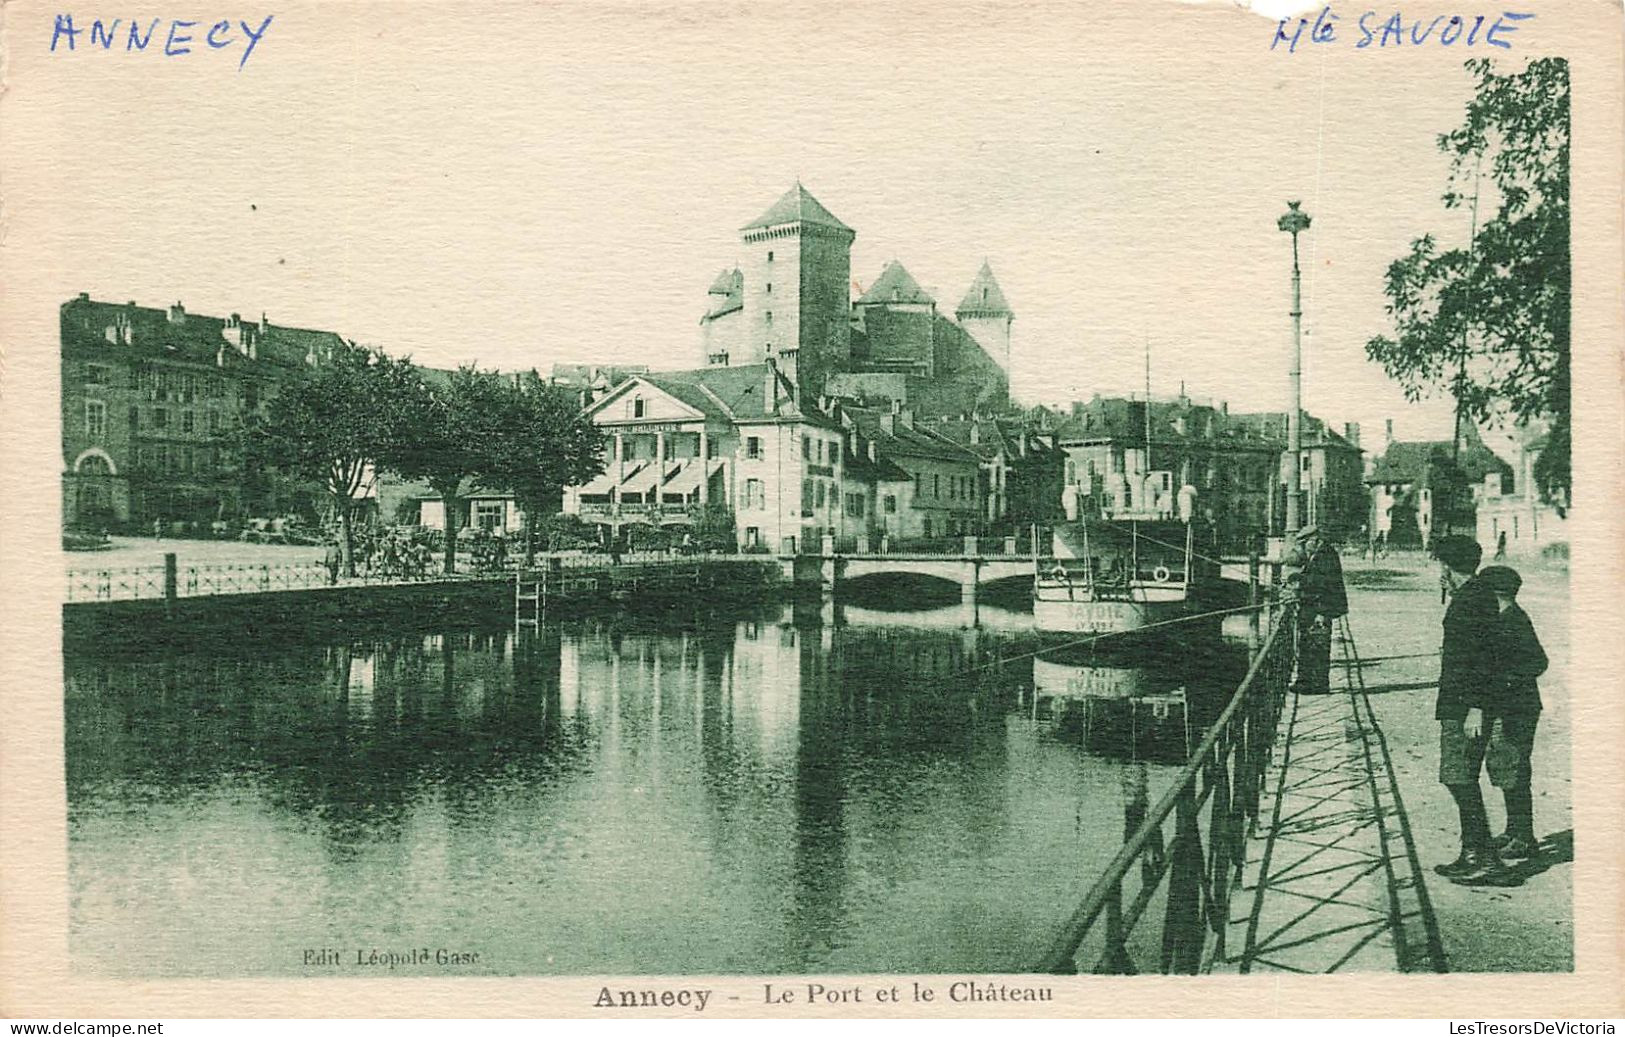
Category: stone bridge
<point>829,569</point>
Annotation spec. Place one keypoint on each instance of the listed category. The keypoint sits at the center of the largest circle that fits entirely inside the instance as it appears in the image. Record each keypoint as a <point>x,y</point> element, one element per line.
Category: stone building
<point>736,438</point>
<point>790,300</point>
<point>153,403</point>
<point>1023,474</point>
<point>1331,483</point>
<point>1423,489</point>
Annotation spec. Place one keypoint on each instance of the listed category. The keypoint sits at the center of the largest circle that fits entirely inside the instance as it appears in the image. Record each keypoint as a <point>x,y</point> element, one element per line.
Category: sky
<point>522,185</point>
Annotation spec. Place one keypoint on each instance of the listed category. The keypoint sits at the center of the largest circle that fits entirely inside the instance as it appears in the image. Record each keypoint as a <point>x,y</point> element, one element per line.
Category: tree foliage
<point>454,421</point>
<point>1490,323</point>
<point>540,445</point>
<point>335,425</point>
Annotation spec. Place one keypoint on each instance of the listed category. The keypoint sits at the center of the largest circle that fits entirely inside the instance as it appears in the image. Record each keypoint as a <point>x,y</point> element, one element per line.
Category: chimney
<point>975,433</point>
<point>905,416</point>
<point>177,314</point>
<point>872,455</point>
<point>896,406</point>
<point>1351,432</point>
<point>888,423</point>
<point>84,296</point>
<point>770,387</point>
<point>265,325</point>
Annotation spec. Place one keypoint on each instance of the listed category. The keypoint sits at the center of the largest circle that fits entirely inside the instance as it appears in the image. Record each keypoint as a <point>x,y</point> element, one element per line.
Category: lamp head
<point>1295,220</point>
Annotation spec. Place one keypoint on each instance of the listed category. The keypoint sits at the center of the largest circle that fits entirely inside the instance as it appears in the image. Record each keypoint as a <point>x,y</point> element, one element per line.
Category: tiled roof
<point>1413,462</point>
<point>732,393</point>
<point>985,296</point>
<point>797,206</point>
<point>904,441</point>
<point>895,284</point>
<point>1273,425</point>
<point>189,336</point>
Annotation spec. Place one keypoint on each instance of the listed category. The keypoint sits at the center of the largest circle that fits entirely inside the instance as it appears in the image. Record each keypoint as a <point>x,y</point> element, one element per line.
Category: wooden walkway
<point>1332,880</point>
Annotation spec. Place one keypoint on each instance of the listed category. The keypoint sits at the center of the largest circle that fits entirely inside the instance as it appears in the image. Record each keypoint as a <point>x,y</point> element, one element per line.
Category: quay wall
<point>260,614</point>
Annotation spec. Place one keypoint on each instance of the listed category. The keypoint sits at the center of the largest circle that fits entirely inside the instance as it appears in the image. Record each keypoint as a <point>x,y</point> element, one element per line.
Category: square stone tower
<point>797,288</point>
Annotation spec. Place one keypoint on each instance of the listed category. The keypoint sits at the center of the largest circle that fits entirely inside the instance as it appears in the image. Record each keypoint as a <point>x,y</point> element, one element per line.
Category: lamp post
<point>1294,222</point>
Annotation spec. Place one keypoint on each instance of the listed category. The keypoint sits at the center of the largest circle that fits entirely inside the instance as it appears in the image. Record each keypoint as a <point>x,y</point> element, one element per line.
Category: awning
<point>689,475</point>
<point>600,484</point>
<point>642,480</point>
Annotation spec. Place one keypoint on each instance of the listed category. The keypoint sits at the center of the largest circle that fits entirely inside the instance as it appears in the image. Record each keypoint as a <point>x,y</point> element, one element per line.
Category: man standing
<point>1466,680</point>
<point>1321,600</point>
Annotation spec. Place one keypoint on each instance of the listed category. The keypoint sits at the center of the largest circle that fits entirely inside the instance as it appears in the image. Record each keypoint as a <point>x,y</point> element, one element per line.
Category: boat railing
<point>1190,872</point>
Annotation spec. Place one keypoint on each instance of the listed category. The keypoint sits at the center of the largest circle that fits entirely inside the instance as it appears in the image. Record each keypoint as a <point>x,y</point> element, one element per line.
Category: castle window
<point>634,407</point>
<point>770,317</point>
<point>188,421</point>
<point>753,448</point>
<point>770,257</point>
<point>160,418</point>
<point>770,287</point>
<point>806,448</point>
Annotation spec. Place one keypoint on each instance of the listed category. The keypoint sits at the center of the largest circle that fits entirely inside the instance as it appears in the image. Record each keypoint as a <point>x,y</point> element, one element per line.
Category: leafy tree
<point>334,425</point>
<point>455,422</point>
<point>1490,323</point>
<point>541,444</point>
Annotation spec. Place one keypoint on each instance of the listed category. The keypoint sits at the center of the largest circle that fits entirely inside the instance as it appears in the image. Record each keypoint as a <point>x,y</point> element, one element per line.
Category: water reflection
<point>777,790</point>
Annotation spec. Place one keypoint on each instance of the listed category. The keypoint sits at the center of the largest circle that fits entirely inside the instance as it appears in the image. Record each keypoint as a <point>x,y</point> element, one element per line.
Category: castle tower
<point>986,315</point>
<point>722,327</point>
<point>797,294</point>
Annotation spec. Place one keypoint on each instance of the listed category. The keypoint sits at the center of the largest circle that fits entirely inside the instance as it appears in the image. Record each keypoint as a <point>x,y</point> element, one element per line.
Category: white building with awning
<point>734,437</point>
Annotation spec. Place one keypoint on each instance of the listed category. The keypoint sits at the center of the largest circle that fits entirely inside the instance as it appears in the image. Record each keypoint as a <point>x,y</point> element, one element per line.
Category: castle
<point>790,301</point>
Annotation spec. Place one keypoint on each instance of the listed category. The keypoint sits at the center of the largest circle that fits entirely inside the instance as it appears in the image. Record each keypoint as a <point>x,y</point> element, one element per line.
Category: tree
<point>541,444</point>
<point>454,422</point>
<point>334,425</point>
<point>1490,323</point>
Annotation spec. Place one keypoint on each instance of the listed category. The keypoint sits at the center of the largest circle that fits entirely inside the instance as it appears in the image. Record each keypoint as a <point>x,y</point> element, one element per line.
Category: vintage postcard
<point>655,509</point>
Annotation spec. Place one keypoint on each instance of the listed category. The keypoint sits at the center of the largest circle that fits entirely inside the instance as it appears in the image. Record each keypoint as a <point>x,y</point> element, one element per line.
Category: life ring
<point>1161,574</point>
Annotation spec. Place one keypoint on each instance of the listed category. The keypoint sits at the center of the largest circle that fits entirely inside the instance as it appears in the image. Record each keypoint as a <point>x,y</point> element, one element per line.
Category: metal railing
<point>136,583</point>
<point>1200,865</point>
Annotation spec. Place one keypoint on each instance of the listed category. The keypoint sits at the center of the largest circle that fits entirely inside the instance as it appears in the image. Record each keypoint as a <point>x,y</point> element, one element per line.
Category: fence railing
<point>1198,865</point>
<point>135,583</point>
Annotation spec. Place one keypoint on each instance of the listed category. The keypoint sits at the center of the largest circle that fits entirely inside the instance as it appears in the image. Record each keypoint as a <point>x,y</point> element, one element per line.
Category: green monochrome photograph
<point>983,492</point>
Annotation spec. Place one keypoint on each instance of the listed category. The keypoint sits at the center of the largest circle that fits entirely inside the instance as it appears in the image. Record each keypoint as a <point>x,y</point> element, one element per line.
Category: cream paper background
<point>63,114</point>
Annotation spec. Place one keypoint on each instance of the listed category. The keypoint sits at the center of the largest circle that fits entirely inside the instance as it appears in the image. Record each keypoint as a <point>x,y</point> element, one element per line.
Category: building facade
<point>153,406</point>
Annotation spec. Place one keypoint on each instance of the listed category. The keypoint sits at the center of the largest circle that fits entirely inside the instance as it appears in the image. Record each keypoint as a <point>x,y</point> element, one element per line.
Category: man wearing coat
<point>1321,600</point>
<point>1468,682</point>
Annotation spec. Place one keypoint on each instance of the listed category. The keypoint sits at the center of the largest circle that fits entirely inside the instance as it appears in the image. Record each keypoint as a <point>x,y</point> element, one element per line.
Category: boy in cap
<point>1514,711</point>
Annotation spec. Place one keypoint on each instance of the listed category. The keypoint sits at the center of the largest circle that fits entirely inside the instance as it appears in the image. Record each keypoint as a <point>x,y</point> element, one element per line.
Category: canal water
<point>766,789</point>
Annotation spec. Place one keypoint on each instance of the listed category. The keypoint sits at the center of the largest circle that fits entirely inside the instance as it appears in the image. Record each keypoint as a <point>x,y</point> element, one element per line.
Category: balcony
<point>659,513</point>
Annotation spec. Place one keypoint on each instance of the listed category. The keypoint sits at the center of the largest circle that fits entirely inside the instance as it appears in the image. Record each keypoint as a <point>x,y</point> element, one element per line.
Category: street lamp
<point>1294,222</point>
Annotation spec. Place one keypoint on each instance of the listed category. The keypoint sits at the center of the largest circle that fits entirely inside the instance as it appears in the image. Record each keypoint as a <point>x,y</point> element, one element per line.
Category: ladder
<point>529,597</point>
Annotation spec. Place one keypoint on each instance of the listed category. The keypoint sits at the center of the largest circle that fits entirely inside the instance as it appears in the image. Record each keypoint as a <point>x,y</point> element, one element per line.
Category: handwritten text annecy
<point>1384,30</point>
<point>182,37</point>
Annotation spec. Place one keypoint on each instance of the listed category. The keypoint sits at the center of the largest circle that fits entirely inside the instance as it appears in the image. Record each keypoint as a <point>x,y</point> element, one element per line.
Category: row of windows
<point>177,459</point>
<point>820,451</point>
<point>960,487</point>
<point>156,418</point>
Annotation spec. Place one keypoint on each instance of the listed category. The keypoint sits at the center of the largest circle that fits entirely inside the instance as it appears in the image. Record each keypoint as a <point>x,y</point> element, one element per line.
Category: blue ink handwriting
<point>181,38</point>
<point>1382,30</point>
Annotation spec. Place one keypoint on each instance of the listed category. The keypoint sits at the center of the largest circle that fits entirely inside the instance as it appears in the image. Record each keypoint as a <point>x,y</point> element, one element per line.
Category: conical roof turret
<point>985,298</point>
